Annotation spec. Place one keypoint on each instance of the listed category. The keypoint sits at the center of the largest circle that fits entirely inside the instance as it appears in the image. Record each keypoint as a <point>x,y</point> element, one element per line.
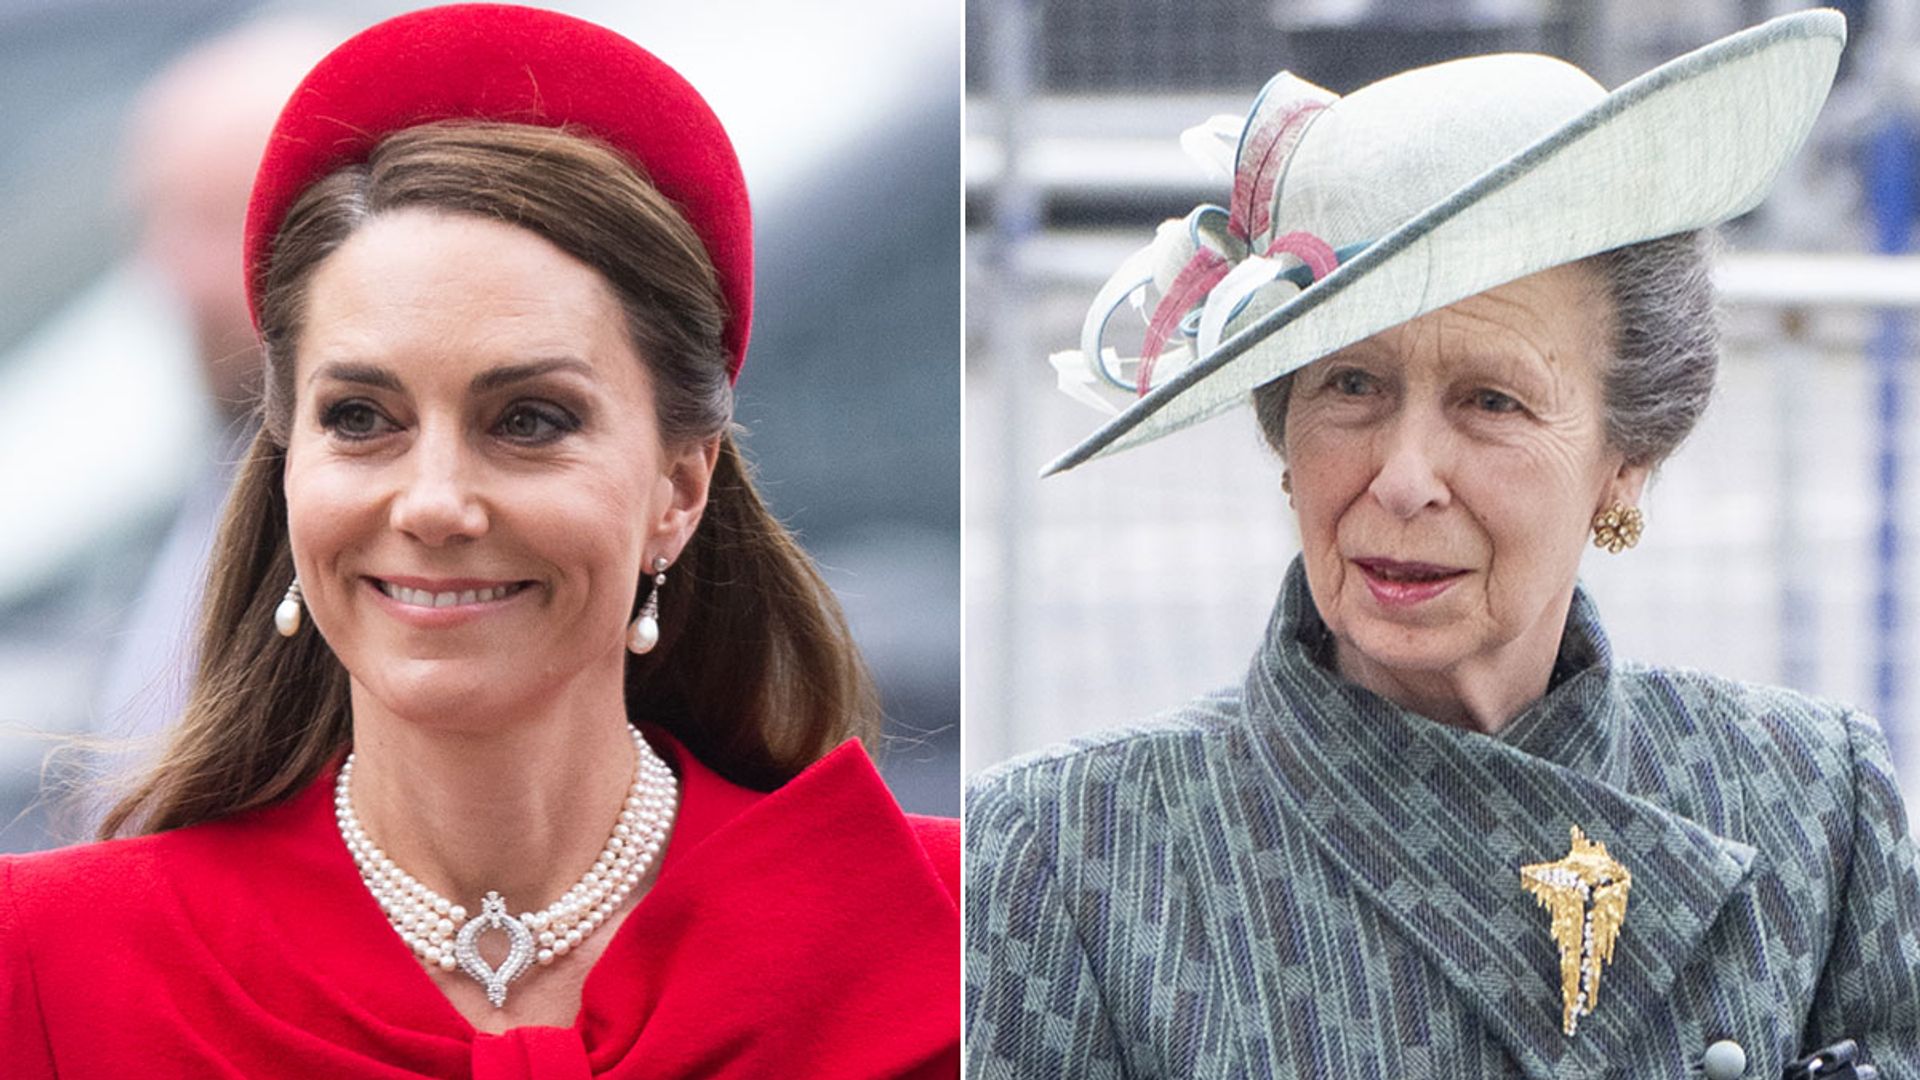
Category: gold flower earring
<point>1618,527</point>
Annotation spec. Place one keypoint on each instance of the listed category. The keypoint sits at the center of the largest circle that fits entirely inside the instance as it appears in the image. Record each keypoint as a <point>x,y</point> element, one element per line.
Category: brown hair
<point>755,671</point>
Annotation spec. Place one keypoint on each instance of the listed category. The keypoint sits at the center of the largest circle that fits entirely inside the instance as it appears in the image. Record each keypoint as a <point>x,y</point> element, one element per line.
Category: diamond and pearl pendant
<point>520,954</point>
<point>439,931</point>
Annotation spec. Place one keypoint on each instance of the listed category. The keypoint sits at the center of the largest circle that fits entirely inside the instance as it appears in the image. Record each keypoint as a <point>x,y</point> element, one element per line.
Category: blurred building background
<point>845,114</point>
<point>1783,542</point>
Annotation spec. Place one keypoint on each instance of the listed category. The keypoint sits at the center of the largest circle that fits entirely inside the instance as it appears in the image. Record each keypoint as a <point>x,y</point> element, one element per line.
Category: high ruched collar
<point>1434,822</point>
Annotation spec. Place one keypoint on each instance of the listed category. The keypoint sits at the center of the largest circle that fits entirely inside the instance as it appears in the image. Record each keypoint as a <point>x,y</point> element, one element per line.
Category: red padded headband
<point>516,65</point>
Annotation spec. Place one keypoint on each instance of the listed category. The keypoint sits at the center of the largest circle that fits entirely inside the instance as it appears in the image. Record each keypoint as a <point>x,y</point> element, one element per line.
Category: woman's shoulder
<point>126,876</point>
<point>99,876</point>
<point>1811,734</point>
<point>1816,774</point>
<point>182,883</point>
<point>843,786</point>
<point>122,903</point>
<point>1080,776</point>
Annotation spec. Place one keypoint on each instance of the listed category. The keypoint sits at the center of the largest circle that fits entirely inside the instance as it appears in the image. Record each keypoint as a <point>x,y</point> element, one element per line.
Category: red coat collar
<point>801,932</point>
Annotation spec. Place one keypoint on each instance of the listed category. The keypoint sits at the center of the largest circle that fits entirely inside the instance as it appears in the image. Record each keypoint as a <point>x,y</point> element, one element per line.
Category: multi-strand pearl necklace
<point>440,932</point>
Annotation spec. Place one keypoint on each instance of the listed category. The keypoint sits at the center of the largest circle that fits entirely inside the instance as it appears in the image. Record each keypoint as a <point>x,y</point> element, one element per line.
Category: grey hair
<point>1666,347</point>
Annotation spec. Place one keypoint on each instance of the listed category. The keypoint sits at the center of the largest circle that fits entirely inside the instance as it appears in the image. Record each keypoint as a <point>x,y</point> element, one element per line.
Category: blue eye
<point>1494,401</point>
<point>535,423</point>
<point>1353,382</point>
<point>353,419</point>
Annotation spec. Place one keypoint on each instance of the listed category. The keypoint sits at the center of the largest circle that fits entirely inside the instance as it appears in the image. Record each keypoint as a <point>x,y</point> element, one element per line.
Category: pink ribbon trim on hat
<point>1271,146</point>
<point>1249,213</point>
<point>1194,281</point>
<point>1308,248</point>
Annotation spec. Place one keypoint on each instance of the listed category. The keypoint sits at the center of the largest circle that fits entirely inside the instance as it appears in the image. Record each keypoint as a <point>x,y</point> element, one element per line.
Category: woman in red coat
<point>510,752</point>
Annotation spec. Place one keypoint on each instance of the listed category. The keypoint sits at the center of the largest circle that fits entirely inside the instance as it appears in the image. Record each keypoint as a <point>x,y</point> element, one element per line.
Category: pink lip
<point>440,618</point>
<point>1400,594</point>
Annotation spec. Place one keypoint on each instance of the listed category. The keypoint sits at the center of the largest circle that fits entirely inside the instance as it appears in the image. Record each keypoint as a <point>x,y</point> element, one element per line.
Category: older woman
<point>1440,830</point>
<point>511,750</point>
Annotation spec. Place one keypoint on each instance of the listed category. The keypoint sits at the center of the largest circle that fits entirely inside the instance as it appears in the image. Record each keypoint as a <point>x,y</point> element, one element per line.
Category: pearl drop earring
<point>644,634</point>
<point>286,617</point>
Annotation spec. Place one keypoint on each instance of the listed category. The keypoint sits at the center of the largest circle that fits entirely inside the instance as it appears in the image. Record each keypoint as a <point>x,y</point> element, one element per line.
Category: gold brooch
<point>1586,893</point>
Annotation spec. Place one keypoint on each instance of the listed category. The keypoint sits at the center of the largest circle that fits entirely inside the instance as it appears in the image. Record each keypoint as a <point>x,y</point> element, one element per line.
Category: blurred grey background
<point>1782,544</point>
<point>846,115</point>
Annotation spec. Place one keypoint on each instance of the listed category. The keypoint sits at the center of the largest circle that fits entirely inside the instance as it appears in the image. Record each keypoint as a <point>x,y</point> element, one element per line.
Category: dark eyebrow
<point>365,374</point>
<point>495,378</point>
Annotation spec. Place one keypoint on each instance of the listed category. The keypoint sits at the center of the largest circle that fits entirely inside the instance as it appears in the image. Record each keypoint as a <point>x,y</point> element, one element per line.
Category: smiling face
<point>474,475</point>
<point>1445,473</point>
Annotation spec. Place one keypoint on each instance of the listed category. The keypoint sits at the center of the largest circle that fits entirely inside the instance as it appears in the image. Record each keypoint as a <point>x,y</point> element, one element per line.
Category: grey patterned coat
<point>1298,878</point>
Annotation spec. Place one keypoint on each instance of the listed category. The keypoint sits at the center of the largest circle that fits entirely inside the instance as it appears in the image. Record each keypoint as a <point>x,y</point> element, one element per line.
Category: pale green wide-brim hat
<point>1354,214</point>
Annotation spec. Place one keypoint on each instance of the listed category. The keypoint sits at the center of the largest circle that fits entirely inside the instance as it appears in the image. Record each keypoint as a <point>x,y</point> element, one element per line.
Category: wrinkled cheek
<point>1319,518</point>
<point>1326,570</point>
<point>1528,572</point>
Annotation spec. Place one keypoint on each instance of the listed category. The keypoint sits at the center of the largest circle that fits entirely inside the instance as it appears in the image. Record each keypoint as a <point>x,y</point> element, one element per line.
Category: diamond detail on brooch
<point>1585,893</point>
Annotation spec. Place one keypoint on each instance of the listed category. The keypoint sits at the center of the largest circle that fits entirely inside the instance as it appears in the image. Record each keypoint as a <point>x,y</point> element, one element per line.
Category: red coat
<point>811,932</point>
